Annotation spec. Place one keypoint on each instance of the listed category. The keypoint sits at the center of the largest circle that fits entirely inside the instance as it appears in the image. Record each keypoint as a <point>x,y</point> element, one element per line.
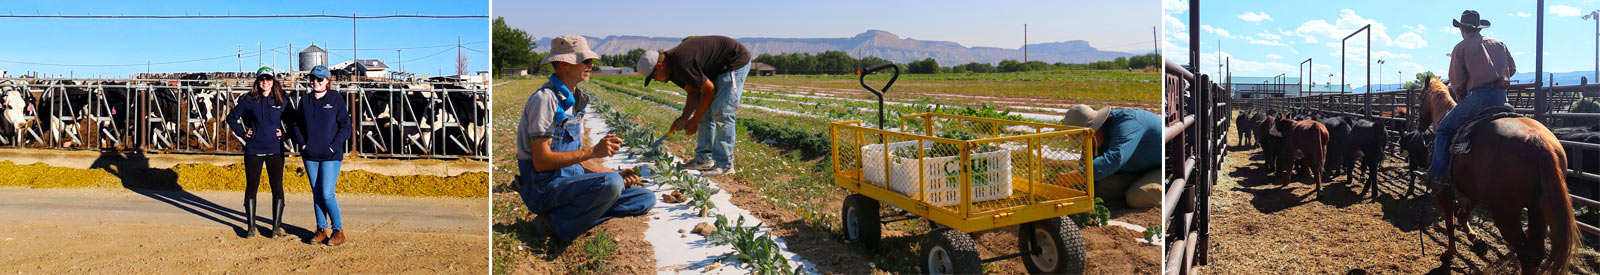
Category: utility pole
<point>1024,47</point>
<point>258,53</point>
<point>353,56</point>
<point>1156,34</point>
<point>398,61</point>
<point>461,60</point>
<point>239,53</point>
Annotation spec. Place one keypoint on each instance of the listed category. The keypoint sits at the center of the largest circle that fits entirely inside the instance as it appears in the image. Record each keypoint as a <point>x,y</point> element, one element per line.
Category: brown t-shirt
<point>692,61</point>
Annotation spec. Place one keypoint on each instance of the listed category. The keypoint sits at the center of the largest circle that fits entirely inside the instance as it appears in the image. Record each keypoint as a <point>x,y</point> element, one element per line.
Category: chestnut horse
<point>1516,164</point>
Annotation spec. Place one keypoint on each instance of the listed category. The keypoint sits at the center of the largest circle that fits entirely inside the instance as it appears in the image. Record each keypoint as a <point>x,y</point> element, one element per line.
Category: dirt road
<point>99,230</point>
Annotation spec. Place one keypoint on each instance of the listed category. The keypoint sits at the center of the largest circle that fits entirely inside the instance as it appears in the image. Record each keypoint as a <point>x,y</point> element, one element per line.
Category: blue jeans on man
<point>1479,99</point>
<point>717,134</point>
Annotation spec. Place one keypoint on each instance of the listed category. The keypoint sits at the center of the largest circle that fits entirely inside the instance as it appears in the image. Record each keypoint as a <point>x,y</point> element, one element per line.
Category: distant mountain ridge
<point>873,43</point>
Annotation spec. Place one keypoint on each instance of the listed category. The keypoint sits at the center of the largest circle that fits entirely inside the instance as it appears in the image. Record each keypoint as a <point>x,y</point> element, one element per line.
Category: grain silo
<point>313,56</point>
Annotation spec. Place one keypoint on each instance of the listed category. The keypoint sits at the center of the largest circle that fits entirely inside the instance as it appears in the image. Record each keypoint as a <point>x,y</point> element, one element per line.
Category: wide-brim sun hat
<point>1469,19</point>
<point>569,48</point>
<point>1084,116</point>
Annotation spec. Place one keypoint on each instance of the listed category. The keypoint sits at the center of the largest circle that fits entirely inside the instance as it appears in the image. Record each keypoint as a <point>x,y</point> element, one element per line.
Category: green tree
<point>1009,65</point>
<point>925,66</point>
<point>513,47</point>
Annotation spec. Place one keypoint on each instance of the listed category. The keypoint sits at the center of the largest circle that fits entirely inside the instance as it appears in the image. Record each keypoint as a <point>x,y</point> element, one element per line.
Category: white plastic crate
<point>942,175</point>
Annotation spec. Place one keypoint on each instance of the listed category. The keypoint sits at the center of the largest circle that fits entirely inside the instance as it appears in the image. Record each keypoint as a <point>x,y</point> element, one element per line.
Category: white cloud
<point>1175,6</point>
<point>1242,67</point>
<point>1410,40</point>
<point>1521,14</point>
<point>1565,10</point>
<point>1268,35</point>
<point>1255,17</point>
<point>1518,53</point>
<point>1417,28</point>
<point>1452,30</point>
<point>1315,30</point>
<point>1274,56</point>
<point>1215,30</point>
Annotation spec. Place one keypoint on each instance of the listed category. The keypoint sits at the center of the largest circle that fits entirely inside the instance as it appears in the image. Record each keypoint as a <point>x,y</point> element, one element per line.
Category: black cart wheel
<point>1056,247</point>
<point>948,251</point>
<point>860,215</point>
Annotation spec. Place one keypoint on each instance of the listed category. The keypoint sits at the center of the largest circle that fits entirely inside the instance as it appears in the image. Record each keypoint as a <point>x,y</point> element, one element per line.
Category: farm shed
<point>762,69</point>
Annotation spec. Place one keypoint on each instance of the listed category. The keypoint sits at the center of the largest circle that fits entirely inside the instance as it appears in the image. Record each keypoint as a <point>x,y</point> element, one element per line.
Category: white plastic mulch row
<point>686,252</point>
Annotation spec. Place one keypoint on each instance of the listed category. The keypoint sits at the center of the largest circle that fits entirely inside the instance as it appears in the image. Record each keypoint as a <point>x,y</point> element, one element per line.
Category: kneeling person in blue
<point>560,181</point>
<point>1127,167</point>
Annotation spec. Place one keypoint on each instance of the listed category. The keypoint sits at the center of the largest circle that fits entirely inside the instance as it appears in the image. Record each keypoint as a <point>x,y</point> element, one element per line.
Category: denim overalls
<point>576,201</point>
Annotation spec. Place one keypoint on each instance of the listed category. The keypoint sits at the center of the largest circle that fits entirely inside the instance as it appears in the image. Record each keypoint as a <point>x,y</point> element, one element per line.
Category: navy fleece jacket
<point>323,126</point>
<point>261,116</point>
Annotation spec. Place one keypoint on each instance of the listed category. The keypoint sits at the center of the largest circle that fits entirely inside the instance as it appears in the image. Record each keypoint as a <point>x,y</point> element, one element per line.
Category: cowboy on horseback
<point>1479,71</point>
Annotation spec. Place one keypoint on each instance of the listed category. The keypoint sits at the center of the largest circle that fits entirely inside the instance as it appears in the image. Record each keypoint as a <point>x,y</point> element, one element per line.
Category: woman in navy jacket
<point>261,111</point>
<point>323,126</point>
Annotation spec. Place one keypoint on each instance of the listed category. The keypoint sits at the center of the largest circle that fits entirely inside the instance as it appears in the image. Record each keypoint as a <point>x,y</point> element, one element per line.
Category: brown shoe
<point>338,238</point>
<point>321,235</point>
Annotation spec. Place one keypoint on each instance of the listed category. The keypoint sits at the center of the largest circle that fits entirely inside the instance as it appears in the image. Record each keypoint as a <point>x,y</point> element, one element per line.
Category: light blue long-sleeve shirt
<point>1132,143</point>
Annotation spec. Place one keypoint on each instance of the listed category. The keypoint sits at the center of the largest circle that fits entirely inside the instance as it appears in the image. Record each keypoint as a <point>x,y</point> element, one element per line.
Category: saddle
<point>1461,144</point>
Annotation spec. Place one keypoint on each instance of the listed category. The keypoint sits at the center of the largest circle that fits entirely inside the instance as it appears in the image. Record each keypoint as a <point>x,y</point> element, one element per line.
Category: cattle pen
<point>389,119</point>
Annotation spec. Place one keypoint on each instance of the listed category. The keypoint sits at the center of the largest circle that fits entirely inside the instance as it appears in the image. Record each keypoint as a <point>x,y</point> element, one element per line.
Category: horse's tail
<point>1557,213</point>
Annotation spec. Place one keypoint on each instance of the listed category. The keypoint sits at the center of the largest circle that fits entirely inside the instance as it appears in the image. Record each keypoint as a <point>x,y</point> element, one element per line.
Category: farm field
<point>1047,89</point>
<point>1261,227</point>
<point>782,180</point>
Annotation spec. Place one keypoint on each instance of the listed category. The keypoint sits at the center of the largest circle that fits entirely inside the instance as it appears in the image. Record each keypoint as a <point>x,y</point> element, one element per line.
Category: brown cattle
<point>1305,144</point>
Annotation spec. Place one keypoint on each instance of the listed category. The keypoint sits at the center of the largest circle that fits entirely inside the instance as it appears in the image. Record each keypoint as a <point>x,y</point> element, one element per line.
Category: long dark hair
<point>277,90</point>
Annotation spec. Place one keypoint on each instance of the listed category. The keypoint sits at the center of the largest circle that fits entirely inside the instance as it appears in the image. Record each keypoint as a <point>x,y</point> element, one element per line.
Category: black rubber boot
<point>249,218</point>
<point>277,217</point>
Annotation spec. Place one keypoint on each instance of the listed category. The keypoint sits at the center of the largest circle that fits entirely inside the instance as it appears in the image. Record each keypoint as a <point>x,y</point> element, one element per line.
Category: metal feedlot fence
<point>1195,137</point>
<point>1398,111</point>
<point>388,120</point>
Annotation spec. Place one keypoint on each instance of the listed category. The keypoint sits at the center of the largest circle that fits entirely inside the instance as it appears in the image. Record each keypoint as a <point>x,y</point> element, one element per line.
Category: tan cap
<point>1085,116</point>
<point>570,48</point>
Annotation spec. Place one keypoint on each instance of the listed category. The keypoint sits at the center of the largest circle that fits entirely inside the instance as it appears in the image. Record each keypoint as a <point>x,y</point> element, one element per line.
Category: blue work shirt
<point>1132,143</point>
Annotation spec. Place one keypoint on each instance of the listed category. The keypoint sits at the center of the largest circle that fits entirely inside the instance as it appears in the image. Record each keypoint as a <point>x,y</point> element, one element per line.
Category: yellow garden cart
<point>966,174</point>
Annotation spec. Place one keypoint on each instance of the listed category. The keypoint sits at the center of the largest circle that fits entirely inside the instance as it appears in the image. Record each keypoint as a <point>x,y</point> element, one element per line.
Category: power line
<point>197,16</point>
<point>427,56</point>
<point>410,48</point>
<point>139,64</point>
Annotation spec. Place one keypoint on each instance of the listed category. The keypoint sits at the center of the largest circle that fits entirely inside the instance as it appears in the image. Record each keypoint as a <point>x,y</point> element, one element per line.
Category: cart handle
<point>863,79</point>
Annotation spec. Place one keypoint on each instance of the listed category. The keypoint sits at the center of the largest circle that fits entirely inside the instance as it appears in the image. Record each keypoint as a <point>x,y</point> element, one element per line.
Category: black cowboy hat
<point>1470,17</point>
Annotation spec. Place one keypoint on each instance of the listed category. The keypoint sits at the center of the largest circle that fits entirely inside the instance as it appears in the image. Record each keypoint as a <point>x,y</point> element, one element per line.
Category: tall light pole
<point>1595,15</point>
<point>1380,75</point>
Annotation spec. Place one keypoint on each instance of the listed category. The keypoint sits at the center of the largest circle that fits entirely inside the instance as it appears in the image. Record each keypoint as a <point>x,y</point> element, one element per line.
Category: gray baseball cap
<point>570,48</point>
<point>647,65</point>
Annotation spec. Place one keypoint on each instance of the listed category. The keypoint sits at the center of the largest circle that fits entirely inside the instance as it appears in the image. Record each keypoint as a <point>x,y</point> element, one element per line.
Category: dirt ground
<point>1261,227</point>
<point>180,232</point>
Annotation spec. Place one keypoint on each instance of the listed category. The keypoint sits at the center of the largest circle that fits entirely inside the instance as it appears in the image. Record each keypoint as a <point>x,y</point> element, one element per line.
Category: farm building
<point>1265,87</point>
<point>762,69</point>
<point>372,67</point>
<point>612,70</point>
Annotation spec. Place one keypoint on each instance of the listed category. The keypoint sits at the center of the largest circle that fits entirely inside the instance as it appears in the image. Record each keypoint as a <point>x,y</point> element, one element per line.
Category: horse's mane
<point>1436,100</point>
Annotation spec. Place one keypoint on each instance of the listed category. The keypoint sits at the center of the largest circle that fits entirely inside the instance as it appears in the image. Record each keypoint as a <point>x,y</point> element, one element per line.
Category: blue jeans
<point>324,177</point>
<point>575,204</point>
<point>717,133</point>
<point>1480,98</point>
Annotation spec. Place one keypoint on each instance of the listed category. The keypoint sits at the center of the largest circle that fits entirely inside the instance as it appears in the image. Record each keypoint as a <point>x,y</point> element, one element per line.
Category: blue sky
<point>1267,38</point>
<point>1107,25</point>
<point>136,41</point>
